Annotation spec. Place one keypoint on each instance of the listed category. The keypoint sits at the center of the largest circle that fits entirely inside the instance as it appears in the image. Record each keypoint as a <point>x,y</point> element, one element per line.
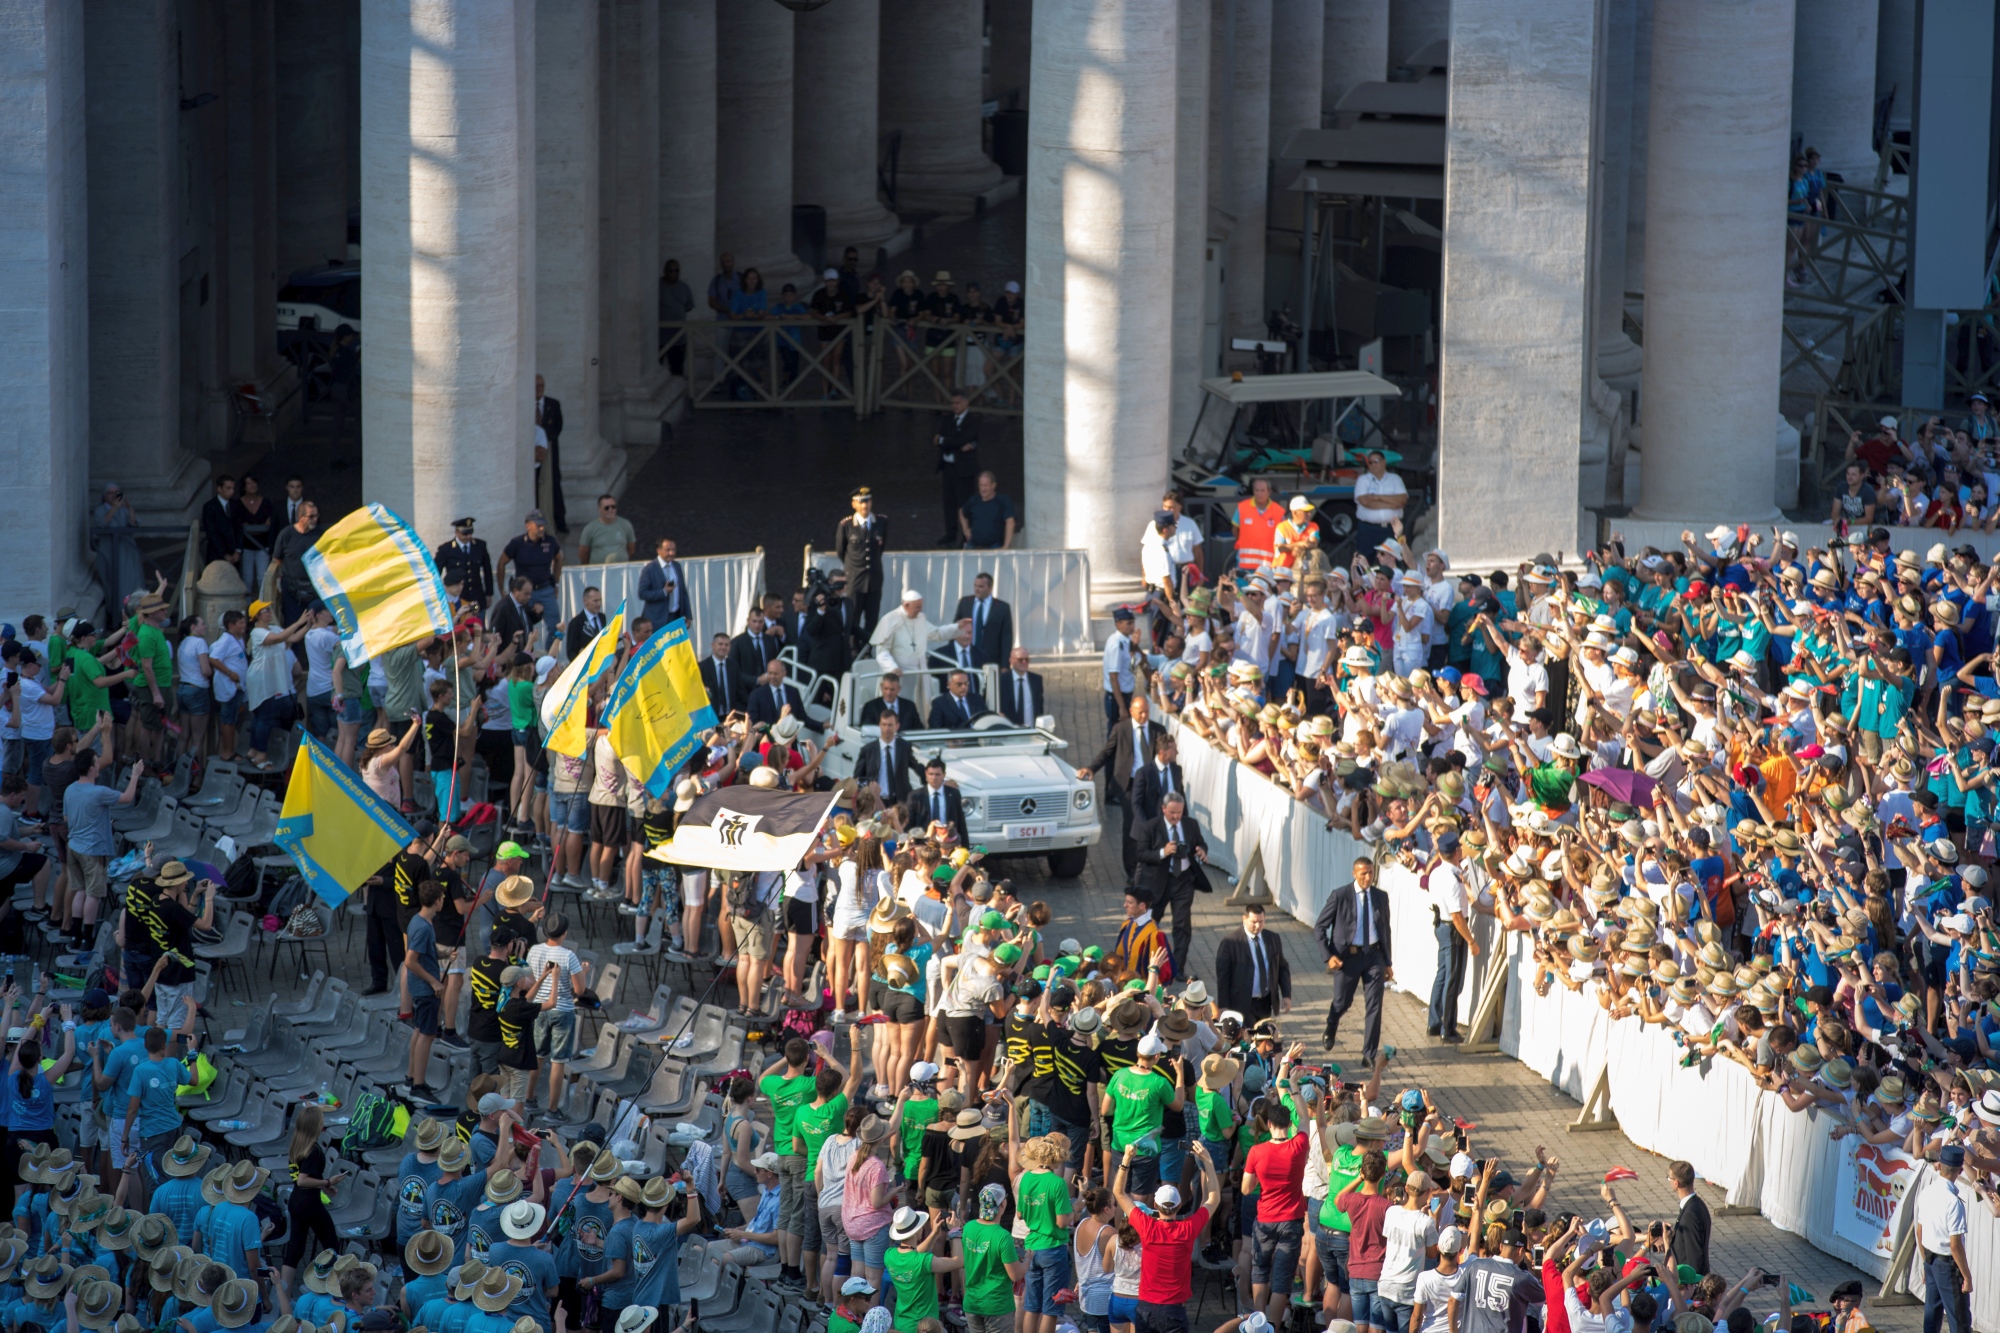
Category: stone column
<point>1247,162</point>
<point>1298,44</point>
<point>753,195</point>
<point>1715,246</point>
<point>250,317</point>
<point>633,388</point>
<point>313,117</point>
<point>1010,39</point>
<point>447,210</point>
<point>687,141</point>
<point>836,54</point>
<point>1635,175</point>
<point>567,307</point>
<point>134,210</point>
<point>930,91</point>
<point>1896,58</point>
<point>44,309</point>
<point>1514,362</point>
<point>1415,24</point>
<point>1190,215</point>
<point>1617,358</point>
<point>1833,60</point>
<point>1355,48</point>
<point>1101,179</point>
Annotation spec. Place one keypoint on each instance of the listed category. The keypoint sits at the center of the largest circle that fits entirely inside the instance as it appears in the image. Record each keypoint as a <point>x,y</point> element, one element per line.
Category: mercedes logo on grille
<point>1027,805</point>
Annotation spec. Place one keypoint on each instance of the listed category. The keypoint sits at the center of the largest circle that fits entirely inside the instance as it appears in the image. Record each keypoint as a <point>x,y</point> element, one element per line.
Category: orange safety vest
<point>1289,532</point>
<point>1257,534</point>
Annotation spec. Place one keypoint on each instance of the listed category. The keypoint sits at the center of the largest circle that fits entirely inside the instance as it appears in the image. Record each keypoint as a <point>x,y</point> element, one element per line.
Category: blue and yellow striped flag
<point>379,581</point>
<point>338,831</point>
<point>565,712</point>
<point>657,706</point>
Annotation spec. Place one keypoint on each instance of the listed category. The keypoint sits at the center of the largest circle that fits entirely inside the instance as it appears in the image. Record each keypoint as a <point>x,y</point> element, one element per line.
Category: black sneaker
<point>453,1040</point>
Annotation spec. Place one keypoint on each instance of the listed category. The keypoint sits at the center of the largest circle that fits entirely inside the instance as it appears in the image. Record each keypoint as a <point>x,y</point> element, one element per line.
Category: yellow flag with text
<point>566,708</point>
<point>338,831</point>
<point>379,581</point>
<point>657,708</point>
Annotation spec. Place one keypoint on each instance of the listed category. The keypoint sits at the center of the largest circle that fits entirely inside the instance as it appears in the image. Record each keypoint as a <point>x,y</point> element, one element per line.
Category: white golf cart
<point>1021,797</point>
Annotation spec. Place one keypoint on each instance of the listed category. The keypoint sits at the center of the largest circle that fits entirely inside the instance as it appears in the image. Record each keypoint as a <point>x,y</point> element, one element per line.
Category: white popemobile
<point>1020,797</point>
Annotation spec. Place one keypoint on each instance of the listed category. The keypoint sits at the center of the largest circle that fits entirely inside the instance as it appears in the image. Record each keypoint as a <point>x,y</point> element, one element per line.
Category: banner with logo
<point>747,828</point>
<point>1871,1182</point>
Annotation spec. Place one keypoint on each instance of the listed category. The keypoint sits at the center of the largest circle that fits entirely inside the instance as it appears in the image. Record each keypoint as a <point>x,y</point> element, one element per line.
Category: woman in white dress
<point>858,879</point>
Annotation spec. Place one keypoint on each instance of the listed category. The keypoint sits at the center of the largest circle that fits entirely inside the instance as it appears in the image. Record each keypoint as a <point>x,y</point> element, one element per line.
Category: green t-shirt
<point>989,1248</point>
<point>85,696</point>
<point>1216,1117</point>
<point>1139,1099</point>
<point>1342,1173</point>
<point>916,1290</point>
<point>787,1094</point>
<point>836,1322</point>
<point>1040,1197</point>
<point>152,645</point>
<point>521,704</point>
<point>817,1124</point>
<point>918,1113</point>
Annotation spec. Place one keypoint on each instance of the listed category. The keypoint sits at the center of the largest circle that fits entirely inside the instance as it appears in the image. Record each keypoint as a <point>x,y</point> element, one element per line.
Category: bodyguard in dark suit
<point>548,415</point>
<point>218,526</point>
<point>1131,744</point>
<point>466,558</point>
<point>992,622</point>
<point>955,709</point>
<point>1251,974</point>
<point>1156,779</point>
<point>585,624</point>
<point>516,614</point>
<point>663,594</point>
<point>1173,856</point>
<point>892,701</point>
<point>827,643</point>
<point>958,464</point>
<point>1020,690</point>
<point>1687,1241</point>
<point>859,541</point>
<point>890,764</point>
<point>719,679</point>
<point>769,700</point>
<point>750,653</point>
<point>956,653</point>
<point>1353,932</point>
<point>935,801</point>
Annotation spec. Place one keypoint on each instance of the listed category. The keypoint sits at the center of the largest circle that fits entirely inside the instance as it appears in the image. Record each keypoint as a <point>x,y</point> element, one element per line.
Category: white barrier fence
<point>1844,1196</point>
<point>721,591</point>
<point>1049,591</point>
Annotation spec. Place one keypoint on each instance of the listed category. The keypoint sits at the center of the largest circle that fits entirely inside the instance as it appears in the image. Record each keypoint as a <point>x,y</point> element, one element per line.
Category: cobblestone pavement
<point>1514,1109</point>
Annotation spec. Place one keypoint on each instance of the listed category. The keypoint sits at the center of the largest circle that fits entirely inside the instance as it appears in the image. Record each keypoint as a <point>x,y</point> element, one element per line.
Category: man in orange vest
<point>1298,536</point>
<point>1256,521</point>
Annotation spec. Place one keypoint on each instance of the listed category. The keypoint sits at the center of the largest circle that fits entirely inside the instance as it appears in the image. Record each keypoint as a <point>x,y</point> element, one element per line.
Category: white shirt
<point>1419,636</point>
<point>38,717</point>
<point>1941,1213</point>
<point>1446,889</point>
<point>1406,1232</point>
<point>1253,641</point>
<point>1315,631</point>
<point>228,651</point>
<point>1116,676</point>
<point>567,965</point>
<point>1442,594</point>
<point>1436,1292</point>
<point>1524,681</point>
<point>189,656</point>
<point>1386,484</point>
<point>321,645</point>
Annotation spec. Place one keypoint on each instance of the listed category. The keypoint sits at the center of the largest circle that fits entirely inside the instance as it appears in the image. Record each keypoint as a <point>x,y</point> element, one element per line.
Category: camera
<point>821,588</point>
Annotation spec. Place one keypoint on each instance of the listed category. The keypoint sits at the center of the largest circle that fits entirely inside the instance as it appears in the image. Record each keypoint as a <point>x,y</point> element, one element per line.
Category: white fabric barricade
<point>1048,591</point>
<point>721,591</point>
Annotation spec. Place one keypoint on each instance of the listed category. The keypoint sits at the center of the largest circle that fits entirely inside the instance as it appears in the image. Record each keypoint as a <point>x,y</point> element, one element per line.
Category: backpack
<point>740,893</point>
<point>374,1124</point>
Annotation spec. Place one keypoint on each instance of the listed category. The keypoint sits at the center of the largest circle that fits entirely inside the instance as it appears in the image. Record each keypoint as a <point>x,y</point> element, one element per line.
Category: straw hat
<point>427,1135</point>
<point>1127,1020</point>
<point>523,1218</point>
<point>503,1187</point>
<point>168,1261</point>
<point>115,1231</point>
<point>186,1157</point>
<point>604,1169</point>
<point>656,1192</point>
<point>470,1274</point>
<point>898,971</point>
<point>317,1272</point>
<point>496,1290</point>
<point>454,1156</point>
<point>244,1182</point>
<point>99,1303</point>
<point>1218,1071</point>
<point>1837,1073</point>
<point>46,1278</point>
<point>211,1185</point>
<point>429,1252</point>
<point>12,1251</point>
<point>235,1303</point>
<point>514,891</point>
<point>906,1223</point>
<point>967,1126</point>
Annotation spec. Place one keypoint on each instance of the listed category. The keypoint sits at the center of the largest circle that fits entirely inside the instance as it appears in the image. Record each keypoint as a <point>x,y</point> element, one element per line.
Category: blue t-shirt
<point>537,1271</point>
<point>580,1253</point>
<point>37,1110</point>
<point>446,1316</point>
<point>449,1203</point>
<point>482,1230</point>
<point>656,1257</point>
<point>413,1182</point>
<point>421,1289</point>
<point>233,1231</point>
<point>484,1148</point>
<point>22,1312</point>
<point>157,1084</point>
<point>423,942</point>
<point>118,1071</point>
<point>310,1307</point>
<point>618,1245</point>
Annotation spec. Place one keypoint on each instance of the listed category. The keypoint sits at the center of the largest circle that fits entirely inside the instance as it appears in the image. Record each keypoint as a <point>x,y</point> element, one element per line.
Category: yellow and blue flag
<point>565,710</point>
<point>338,831</point>
<point>656,708</point>
<point>379,581</point>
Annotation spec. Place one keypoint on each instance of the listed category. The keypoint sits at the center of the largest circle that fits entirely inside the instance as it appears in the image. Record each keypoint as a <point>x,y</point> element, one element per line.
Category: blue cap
<point>1447,842</point>
<point>1412,1100</point>
<point>1449,673</point>
<point>1122,615</point>
<point>1951,1155</point>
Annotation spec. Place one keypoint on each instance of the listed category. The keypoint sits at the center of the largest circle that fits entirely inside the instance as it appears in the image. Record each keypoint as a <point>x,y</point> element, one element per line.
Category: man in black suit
<point>1130,747</point>
<point>957,652</point>
<point>466,556</point>
<point>1251,974</point>
<point>1156,779</point>
<point>517,614</point>
<point>828,631</point>
<point>859,541</point>
<point>892,701</point>
<point>992,622</point>
<point>958,465</point>
<point>1353,931</point>
<point>935,802</point>
<point>957,706</point>
<point>585,624</point>
<point>1173,856</point>
<point>889,764</point>
<point>663,595</point>
<point>774,694</point>
<point>1688,1239</point>
<point>750,653</point>
<point>548,416</point>
<point>1020,690</point>
<point>218,529</point>
<point>720,680</point>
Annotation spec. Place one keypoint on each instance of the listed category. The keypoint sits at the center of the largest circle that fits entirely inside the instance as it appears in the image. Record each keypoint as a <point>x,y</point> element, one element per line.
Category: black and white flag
<point>747,828</point>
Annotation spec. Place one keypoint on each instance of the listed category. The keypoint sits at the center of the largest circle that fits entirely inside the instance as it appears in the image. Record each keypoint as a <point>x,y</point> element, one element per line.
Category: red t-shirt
<point>1166,1265</point>
<point>1280,1170</point>
<point>1556,1312</point>
<point>1366,1244</point>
